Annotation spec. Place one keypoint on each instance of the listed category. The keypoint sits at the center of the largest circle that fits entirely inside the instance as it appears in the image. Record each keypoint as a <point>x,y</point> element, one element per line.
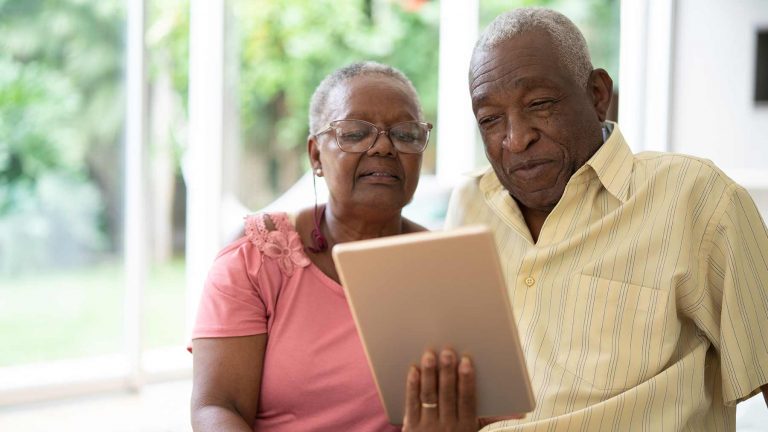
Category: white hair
<point>566,37</point>
<point>318,105</point>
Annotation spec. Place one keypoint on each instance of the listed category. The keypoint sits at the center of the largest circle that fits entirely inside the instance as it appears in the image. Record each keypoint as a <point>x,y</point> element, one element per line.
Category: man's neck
<point>534,219</point>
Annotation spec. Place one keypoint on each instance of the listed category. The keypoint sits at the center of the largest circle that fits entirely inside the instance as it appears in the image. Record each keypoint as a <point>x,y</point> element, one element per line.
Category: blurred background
<point>136,134</point>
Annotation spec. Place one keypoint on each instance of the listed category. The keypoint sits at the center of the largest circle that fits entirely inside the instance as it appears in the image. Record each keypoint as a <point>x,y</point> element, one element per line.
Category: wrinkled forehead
<point>526,61</point>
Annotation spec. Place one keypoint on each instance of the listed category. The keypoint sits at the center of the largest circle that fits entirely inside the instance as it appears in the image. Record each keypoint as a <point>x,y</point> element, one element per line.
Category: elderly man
<point>640,282</point>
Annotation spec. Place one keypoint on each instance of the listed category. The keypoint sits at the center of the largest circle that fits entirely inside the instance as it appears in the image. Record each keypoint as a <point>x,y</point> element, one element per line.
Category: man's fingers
<point>412,403</point>
<point>428,393</point>
<point>467,398</point>
<point>447,386</point>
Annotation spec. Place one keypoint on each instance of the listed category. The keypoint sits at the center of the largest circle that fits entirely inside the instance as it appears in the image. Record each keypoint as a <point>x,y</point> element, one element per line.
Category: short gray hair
<point>318,105</point>
<point>566,37</point>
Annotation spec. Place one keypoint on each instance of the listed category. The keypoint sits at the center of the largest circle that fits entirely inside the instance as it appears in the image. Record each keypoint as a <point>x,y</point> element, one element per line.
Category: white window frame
<point>124,370</point>
<point>455,122</point>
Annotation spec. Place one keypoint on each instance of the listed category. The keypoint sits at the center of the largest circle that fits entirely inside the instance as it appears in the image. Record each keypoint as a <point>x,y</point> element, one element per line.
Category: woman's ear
<point>313,151</point>
<point>601,90</point>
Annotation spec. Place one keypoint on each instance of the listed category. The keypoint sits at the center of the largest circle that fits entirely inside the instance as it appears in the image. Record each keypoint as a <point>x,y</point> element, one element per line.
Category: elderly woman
<point>275,346</point>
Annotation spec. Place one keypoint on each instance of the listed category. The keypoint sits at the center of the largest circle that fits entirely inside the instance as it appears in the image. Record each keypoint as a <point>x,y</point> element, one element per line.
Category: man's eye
<point>486,122</point>
<point>542,104</point>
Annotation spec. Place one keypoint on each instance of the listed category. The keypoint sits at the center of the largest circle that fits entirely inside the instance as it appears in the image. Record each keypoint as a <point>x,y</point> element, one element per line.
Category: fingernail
<point>465,366</point>
<point>413,375</point>
<point>429,359</point>
<point>446,358</point>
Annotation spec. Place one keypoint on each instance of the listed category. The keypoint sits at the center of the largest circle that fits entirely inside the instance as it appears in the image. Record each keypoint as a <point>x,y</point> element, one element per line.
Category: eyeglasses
<point>358,136</point>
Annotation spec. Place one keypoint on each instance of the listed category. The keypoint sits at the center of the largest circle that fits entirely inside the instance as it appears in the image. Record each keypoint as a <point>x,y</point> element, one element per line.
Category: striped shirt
<point>644,304</point>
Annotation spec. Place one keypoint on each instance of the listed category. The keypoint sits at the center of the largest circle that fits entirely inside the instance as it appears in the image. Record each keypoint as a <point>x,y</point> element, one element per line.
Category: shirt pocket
<point>614,334</point>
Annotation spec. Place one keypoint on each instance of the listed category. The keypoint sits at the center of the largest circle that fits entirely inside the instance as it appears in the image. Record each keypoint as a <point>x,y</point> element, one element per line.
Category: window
<point>61,181</point>
<point>64,172</point>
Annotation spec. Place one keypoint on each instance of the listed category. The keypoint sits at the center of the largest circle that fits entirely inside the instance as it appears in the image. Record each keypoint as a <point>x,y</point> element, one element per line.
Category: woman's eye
<point>404,136</point>
<point>353,135</point>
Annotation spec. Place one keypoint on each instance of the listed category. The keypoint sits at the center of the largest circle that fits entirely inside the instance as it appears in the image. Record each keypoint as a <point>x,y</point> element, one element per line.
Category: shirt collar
<point>612,163</point>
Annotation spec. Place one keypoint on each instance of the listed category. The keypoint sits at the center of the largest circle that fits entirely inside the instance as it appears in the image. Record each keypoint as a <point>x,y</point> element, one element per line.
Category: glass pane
<point>61,185</point>
<point>164,299</point>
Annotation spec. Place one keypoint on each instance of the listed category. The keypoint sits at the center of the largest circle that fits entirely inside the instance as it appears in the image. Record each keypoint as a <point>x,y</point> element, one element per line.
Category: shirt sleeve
<point>231,303</point>
<point>737,283</point>
<point>460,202</point>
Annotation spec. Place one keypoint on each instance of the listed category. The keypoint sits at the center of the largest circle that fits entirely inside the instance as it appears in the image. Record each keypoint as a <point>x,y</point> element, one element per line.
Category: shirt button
<point>530,281</point>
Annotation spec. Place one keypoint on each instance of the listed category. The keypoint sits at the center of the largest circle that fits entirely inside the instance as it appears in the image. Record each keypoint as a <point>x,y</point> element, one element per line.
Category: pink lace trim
<point>282,244</point>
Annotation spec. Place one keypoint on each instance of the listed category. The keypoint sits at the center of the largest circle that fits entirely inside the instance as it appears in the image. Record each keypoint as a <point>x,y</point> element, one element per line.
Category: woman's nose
<point>382,145</point>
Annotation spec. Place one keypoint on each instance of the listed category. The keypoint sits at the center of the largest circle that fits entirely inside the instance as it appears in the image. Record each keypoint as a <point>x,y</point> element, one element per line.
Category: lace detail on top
<point>282,244</point>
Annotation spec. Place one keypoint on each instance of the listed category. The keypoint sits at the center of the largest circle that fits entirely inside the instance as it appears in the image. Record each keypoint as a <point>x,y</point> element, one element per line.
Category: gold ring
<point>429,405</point>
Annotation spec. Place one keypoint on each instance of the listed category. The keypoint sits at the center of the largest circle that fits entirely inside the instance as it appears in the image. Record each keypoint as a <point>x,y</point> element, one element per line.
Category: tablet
<point>429,290</point>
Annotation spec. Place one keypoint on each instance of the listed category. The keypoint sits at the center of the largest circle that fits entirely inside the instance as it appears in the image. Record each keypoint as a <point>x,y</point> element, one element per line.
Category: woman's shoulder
<point>274,236</point>
<point>258,226</point>
<point>262,234</point>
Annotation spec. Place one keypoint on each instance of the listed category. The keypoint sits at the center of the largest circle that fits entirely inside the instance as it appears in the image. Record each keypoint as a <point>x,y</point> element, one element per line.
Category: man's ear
<point>600,88</point>
<point>313,151</point>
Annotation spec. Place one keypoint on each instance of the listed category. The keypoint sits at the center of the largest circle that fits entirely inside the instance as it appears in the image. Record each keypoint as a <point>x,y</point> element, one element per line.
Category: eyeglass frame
<point>379,132</point>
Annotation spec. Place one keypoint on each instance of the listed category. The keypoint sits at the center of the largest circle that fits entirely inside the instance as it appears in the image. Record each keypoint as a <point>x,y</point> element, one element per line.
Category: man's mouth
<point>528,165</point>
<point>530,170</point>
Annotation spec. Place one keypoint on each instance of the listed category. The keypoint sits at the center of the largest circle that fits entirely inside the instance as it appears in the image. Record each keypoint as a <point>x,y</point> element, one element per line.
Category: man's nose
<point>520,135</point>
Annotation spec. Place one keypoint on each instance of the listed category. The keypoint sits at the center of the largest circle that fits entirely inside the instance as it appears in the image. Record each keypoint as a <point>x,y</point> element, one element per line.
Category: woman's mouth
<point>376,176</point>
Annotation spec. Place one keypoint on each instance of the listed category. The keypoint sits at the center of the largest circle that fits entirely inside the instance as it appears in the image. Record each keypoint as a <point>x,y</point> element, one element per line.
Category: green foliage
<point>60,114</point>
<point>288,47</point>
<point>168,42</point>
<point>37,106</point>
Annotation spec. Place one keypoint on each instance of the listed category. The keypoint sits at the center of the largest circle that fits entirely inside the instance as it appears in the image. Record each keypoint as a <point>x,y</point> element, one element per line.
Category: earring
<point>319,243</point>
<point>319,172</point>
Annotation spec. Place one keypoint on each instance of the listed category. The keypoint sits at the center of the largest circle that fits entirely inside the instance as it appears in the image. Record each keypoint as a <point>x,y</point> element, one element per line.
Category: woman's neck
<point>341,227</point>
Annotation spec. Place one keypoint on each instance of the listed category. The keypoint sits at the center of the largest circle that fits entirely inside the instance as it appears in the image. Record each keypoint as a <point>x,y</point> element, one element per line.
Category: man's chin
<point>542,200</point>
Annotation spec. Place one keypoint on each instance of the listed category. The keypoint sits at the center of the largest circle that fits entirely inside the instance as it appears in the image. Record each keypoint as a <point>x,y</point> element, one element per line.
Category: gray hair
<point>318,105</point>
<point>567,38</point>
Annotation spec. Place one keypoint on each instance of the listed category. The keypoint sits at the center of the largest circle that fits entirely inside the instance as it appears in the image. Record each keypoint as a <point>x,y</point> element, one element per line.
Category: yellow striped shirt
<point>644,303</point>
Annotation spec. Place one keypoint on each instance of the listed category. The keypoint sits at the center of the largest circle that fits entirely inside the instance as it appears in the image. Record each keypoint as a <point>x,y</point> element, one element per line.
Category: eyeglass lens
<point>357,136</point>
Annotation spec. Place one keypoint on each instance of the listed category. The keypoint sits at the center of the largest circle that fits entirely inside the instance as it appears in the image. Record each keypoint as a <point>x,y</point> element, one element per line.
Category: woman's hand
<point>440,394</point>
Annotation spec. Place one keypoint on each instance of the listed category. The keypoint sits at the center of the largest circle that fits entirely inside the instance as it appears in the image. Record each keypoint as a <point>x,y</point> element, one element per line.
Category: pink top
<point>315,375</point>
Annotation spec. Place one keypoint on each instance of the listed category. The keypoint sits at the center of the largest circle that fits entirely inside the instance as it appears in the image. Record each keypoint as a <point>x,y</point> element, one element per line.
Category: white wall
<point>713,111</point>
